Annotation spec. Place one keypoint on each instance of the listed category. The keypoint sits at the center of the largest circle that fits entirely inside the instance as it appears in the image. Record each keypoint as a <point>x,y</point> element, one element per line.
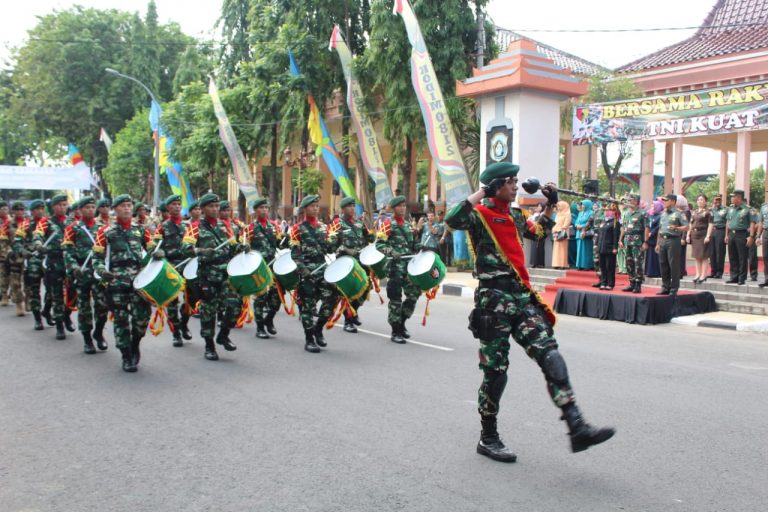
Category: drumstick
<point>182,263</point>
<point>318,269</point>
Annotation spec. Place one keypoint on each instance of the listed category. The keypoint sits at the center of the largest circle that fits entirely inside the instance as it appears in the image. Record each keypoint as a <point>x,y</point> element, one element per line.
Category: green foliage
<point>131,161</point>
<point>711,187</point>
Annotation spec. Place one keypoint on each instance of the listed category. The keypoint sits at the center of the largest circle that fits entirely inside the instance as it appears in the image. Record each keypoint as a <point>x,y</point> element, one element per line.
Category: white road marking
<point>428,345</point>
<point>748,366</point>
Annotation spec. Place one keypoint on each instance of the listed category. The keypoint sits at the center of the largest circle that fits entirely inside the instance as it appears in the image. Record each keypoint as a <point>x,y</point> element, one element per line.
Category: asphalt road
<point>369,425</point>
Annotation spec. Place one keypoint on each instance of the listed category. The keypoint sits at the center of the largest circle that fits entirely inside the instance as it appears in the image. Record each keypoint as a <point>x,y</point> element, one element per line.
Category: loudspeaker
<point>335,188</point>
<point>592,187</point>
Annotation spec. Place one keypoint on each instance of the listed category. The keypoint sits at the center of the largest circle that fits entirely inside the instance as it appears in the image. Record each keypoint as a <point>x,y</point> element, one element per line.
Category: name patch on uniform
<point>499,221</point>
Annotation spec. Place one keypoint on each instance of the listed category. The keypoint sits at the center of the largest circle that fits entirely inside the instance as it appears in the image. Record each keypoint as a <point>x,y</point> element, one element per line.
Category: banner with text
<point>719,110</point>
<point>440,136</point>
<point>46,178</point>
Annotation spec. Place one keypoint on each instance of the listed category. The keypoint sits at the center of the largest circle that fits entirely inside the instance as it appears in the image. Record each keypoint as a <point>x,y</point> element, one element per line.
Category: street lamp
<point>156,198</point>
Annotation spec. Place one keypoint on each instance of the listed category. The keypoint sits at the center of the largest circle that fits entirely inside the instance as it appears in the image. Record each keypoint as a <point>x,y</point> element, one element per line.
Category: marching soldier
<point>49,236</point>
<point>350,237</point>
<point>672,227</point>
<point>225,215</point>
<point>102,209</point>
<point>6,241</point>
<point>738,237</point>
<point>263,236</point>
<point>398,241</point>
<point>506,305</point>
<point>118,256</point>
<point>717,258</point>
<point>309,246</point>
<point>214,246</point>
<point>15,262</point>
<point>79,239</point>
<point>140,214</point>
<point>24,248</point>
<point>194,212</point>
<point>171,232</point>
<point>635,232</point>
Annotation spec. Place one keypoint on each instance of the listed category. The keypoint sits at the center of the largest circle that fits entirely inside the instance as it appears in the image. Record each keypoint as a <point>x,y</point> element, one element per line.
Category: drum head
<point>190,270</point>
<point>244,264</point>
<point>148,274</point>
<point>284,264</point>
<point>339,269</point>
<point>370,255</point>
<point>421,263</point>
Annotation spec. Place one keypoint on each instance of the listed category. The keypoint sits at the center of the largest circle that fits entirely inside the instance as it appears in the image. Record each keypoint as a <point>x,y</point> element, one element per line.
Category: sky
<point>611,49</point>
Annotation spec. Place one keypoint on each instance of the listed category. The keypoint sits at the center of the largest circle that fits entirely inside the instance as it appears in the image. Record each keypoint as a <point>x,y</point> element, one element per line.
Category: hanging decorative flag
<point>171,168</point>
<point>104,137</point>
<point>75,157</point>
<point>442,141</point>
<point>240,169</point>
<point>366,135</point>
<point>320,137</point>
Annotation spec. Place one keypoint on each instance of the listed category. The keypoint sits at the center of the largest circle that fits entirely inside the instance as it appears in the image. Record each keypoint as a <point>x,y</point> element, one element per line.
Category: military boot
<point>349,325</point>
<point>638,287</point>
<point>356,320</point>
<point>4,300</point>
<point>223,340</point>
<point>583,435</point>
<point>135,350</point>
<point>88,347</point>
<point>20,311</point>
<point>490,443</point>
<point>630,288</point>
<point>404,332</point>
<point>128,365</point>
<point>309,341</point>
<point>47,315</point>
<point>397,336</point>
<point>38,321</point>
<point>98,334</point>
<point>177,341</point>
<point>319,338</point>
<point>260,332</point>
<point>60,335</point>
<point>68,321</point>
<point>269,323</point>
<point>210,350</point>
<point>185,328</point>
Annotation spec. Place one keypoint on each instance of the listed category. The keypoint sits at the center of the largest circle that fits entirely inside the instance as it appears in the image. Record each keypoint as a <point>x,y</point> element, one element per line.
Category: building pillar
<point>743,152</point>
<point>724,176</point>
<point>677,167</point>
<point>667,167</point>
<point>286,208</point>
<point>647,150</point>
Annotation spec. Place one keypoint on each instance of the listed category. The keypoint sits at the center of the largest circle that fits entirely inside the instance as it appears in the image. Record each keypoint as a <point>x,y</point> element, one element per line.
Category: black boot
<point>38,321</point>
<point>404,332</point>
<point>349,325</point>
<point>490,443</point>
<point>210,350</point>
<point>135,350</point>
<point>397,336</point>
<point>98,334</point>
<point>68,321</point>
<point>260,332</point>
<point>223,340</point>
<point>583,435</point>
<point>630,288</point>
<point>319,338</point>
<point>309,341</point>
<point>88,347</point>
<point>269,323</point>
<point>47,315</point>
<point>356,320</point>
<point>185,328</point>
<point>128,365</point>
<point>638,288</point>
<point>60,330</point>
<point>177,341</point>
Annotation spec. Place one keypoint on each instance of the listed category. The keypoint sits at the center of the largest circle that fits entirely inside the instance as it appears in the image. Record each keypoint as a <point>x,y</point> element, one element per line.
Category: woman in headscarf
<point>584,234</point>
<point>572,235</point>
<point>652,268</point>
<point>560,236</point>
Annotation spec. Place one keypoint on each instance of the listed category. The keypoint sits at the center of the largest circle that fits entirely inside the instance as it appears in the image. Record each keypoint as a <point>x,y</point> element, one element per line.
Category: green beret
<point>172,198</point>
<point>208,199</point>
<point>104,202</point>
<point>138,206</point>
<point>312,198</point>
<point>58,199</point>
<point>396,201</point>
<point>347,201</point>
<point>224,205</point>
<point>194,204</point>
<point>259,201</point>
<point>86,200</point>
<point>122,198</point>
<point>3,203</point>
<point>18,205</point>
<point>499,170</point>
<point>162,208</point>
<point>36,203</point>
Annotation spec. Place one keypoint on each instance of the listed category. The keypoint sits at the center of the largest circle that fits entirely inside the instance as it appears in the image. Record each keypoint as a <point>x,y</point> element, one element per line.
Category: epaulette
<point>295,238</point>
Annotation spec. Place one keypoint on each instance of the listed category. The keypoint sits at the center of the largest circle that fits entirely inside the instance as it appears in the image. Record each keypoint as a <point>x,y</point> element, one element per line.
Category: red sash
<point>502,229</point>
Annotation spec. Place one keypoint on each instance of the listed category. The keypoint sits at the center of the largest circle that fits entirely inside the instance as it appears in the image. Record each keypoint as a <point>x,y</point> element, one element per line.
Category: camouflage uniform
<point>349,238</point>
<point>16,268</point>
<point>24,246</point>
<point>10,266</point>
<point>79,239</point>
<point>264,238</point>
<point>398,240</point>
<point>55,271</point>
<point>669,249</point>
<point>635,224</point>
<point>171,232</point>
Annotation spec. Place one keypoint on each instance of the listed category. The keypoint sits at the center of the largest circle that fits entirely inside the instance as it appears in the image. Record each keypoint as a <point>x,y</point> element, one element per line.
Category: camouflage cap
<point>86,200</point>
<point>194,204</point>
<point>347,201</point>
<point>104,202</point>
<point>312,198</point>
<point>122,198</point>
<point>18,205</point>
<point>138,206</point>
<point>208,199</point>
<point>499,170</point>
<point>259,201</point>
<point>59,198</point>
<point>36,203</point>
<point>224,205</point>
<point>396,201</point>
<point>171,198</point>
<point>162,208</point>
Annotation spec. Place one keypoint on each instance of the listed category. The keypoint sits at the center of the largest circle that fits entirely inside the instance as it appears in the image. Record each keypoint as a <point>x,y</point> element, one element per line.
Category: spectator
<point>446,241</point>
<point>572,236</point>
<point>584,235</point>
<point>699,237</point>
<point>430,232</point>
<point>560,235</point>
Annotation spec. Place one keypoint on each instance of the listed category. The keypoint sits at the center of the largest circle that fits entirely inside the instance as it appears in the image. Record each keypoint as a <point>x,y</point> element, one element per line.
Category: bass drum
<point>348,276</point>
<point>426,270</point>
<point>159,283</point>
<point>249,274</point>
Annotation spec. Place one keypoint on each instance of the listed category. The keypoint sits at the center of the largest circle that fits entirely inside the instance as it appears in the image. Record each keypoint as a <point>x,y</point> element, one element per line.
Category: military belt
<point>667,236</point>
<point>503,284</point>
<point>124,264</point>
<point>719,227</point>
<point>739,231</point>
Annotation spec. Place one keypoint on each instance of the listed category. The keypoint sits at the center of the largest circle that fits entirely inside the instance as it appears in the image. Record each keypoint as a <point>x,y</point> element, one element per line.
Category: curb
<point>458,290</point>
<point>702,321</point>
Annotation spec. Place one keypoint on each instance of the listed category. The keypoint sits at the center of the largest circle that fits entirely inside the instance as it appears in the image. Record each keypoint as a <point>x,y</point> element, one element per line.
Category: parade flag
<point>75,157</point>
<point>242,174</point>
<point>440,136</point>
<point>366,135</point>
<point>318,133</point>
<point>171,168</point>
<point>104,137</point>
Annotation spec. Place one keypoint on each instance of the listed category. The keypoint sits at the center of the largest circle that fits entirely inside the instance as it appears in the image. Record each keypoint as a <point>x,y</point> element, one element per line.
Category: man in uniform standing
<point>350,236</point>
<point>635,232</point>
<point>23,247</point>
<point>263,236</point>
<point>214,246</point>
<point>79,239</point>
<point>309,246</point>
<point>15,262</point>
<point>717,258</point>
<point>672,226</point>
<point>398,241</point>
<point>171,231</point>
<point>102,210</point>
<point>506,305</point>
<point>738,236</point>
<point>117,259</point>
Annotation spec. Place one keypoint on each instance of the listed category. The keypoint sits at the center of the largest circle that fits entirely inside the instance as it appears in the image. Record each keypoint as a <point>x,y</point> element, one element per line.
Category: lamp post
<point>156,191</point>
